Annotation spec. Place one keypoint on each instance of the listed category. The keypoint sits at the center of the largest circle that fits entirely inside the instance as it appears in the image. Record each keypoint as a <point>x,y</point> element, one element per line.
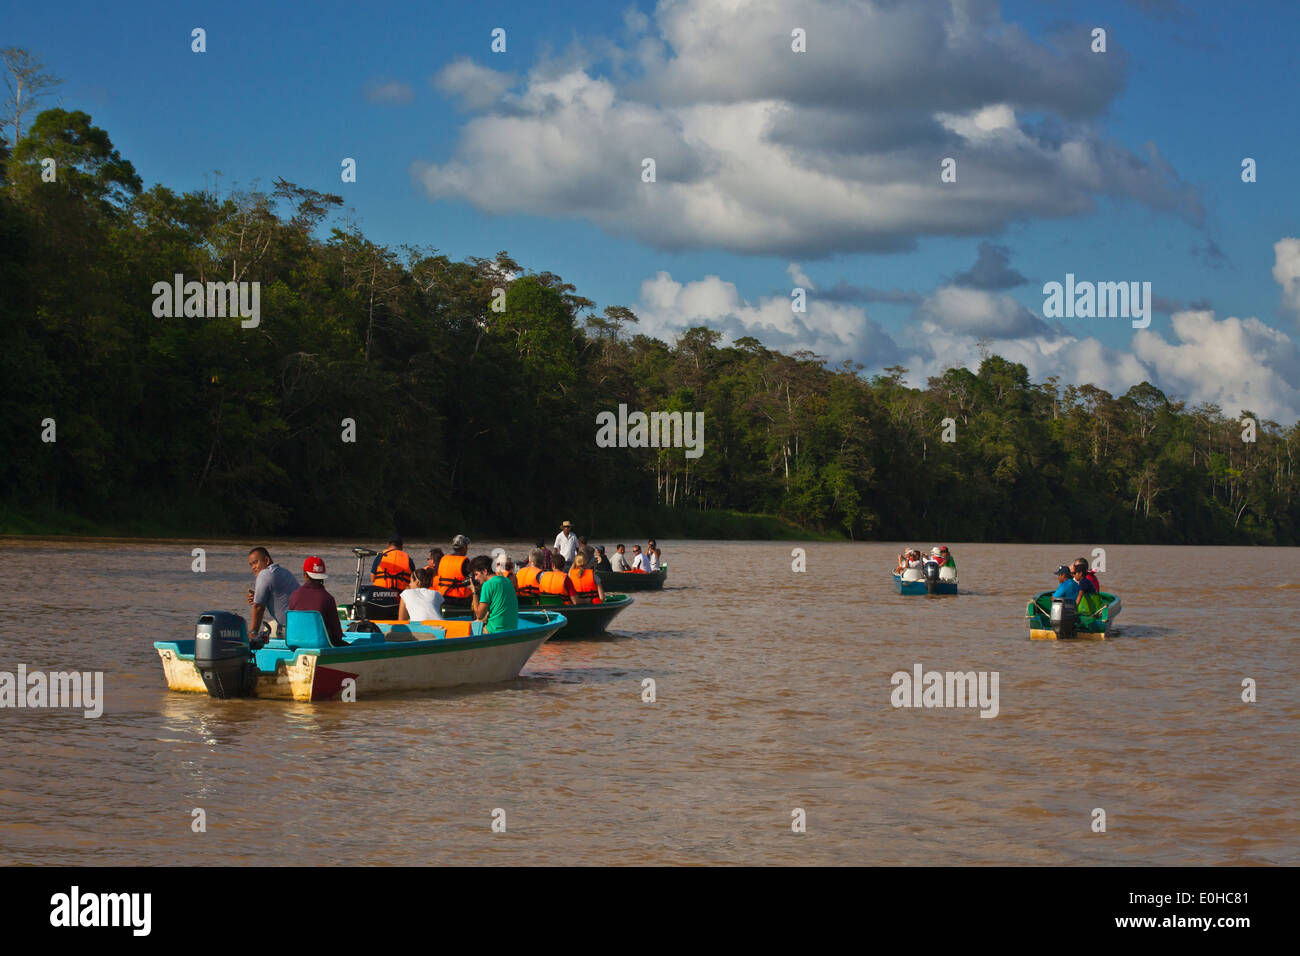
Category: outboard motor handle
<point>358,611</point>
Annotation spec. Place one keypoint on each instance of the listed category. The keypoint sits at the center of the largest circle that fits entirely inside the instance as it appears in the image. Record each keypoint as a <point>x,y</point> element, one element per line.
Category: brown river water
<point>773,693</point>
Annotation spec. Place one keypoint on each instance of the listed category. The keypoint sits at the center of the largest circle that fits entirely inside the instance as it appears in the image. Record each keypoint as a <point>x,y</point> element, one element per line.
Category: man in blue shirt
<point>271,590</point>
<point>1068,588</point>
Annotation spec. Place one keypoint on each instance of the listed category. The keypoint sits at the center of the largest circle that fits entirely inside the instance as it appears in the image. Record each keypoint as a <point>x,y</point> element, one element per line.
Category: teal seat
<point>305,630</point>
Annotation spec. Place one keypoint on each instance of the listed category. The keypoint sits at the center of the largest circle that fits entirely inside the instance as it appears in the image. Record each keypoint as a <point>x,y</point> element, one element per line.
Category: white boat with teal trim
<point>385,657</point>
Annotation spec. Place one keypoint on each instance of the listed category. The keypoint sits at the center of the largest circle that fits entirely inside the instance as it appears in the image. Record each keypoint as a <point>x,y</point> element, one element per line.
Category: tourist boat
<point>1090,620</point>
<point>582,620</point>
<point>634,580</point>
<point>379,657</point>
<point>915,581</point>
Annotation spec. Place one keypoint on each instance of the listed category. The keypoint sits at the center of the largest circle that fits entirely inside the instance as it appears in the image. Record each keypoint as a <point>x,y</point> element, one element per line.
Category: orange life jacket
<point>526,581</point>
<point>552,582</point>
<point>584,584</point>
<point>394,570</point>
<point>451,571</point>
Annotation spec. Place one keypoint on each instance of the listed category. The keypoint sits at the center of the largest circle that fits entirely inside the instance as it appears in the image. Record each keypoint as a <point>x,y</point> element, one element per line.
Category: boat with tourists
<point>1090,619</point>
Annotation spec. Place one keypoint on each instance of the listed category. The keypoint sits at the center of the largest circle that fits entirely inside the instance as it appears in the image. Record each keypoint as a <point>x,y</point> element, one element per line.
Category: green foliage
<point>473,419</point>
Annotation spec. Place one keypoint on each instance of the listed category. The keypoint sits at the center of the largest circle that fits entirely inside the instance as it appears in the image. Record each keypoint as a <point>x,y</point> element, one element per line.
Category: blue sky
<point>291,92</point>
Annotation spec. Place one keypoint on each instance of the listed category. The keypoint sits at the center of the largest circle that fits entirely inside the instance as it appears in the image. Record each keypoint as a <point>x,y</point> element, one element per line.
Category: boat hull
<point>586,620</point>
<point>634,580</point>
<point>411,658</point>
<point>1091,627</point>
<point>918,587</point>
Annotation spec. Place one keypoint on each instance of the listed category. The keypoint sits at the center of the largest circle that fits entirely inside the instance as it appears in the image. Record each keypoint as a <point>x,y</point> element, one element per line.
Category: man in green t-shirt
<point>494,600</point>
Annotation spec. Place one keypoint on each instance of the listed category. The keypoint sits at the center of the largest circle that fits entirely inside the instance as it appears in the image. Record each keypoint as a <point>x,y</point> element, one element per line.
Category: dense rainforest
<point>470,418</point>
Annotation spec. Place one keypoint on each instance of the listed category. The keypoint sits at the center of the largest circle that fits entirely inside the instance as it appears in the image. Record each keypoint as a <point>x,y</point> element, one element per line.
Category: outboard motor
<point>223,655</point>
<point>1065,621</point>
<point>379,604</point>
<point>931,576</point>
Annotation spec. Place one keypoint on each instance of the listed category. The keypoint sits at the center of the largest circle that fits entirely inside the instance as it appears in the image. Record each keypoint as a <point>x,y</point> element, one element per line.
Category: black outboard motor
<point>1065,620</point>
<point>931,576</point>
<point>223,655</point>
<point>379,604</point>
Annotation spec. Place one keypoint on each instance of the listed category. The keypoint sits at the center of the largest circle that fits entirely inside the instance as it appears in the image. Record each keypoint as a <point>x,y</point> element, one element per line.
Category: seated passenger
<point>392,567</point>
<point>435,556</point>
<point>638,559</point>
<point>1080,574</point>
<point>453,570</point>
<point>421,602</point>
<point>312,596</point>
<point>1068,588</point>
<point>1088,573</point>
<point>526,580</point>
<point>504,565</point>
<point>494,602</point>
<point>556,583</point>
<point>619,562</point>
<point>602,562</point>
<point>586,585</point>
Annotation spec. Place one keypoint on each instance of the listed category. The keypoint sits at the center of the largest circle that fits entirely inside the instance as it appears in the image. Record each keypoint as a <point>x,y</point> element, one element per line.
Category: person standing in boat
<point>312,596</point>
<point>453,570</point>
<point>653,556</point>
<point>493,599</point>
<point>421,602</point>
<point>619,562</point>
<point>392,567</point>
<point>271,590</point>
<point>566,542</point>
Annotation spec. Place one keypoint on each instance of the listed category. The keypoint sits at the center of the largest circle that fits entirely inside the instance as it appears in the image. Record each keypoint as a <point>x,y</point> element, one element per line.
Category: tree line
<point>474,418</point>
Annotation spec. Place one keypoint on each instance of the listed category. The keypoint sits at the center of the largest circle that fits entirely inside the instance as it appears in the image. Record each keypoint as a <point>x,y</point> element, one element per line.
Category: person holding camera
<point>493,597</point>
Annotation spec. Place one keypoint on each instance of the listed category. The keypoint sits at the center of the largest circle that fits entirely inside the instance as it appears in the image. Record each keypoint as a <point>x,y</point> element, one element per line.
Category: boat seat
<point>458,627</point>
<point>305,630</point>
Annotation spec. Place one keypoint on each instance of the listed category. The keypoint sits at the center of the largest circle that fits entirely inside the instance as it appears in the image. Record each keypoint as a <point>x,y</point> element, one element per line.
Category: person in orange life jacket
<point>526,580</point>
<point>392,567</point>
<point>312,596</point>
<point>453,570</point>
<point>586,585</point>
<point>555,582</point>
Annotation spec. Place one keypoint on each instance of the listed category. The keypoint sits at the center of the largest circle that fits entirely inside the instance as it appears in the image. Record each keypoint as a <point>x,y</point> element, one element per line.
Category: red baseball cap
<point>314,568</point>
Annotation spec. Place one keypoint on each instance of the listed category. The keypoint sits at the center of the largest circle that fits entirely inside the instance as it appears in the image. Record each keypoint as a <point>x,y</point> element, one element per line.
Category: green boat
<point>582,620</point>
<point>1092,621</point>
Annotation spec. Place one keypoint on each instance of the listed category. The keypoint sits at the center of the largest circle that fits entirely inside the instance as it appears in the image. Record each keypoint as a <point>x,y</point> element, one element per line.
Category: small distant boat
<point>634,580</point>
<point>1090,620</point>
<point>220,661</point>
<point>928,580</point>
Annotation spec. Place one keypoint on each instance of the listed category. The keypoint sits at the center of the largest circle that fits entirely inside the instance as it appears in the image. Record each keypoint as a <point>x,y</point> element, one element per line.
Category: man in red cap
<point>312,596</point>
